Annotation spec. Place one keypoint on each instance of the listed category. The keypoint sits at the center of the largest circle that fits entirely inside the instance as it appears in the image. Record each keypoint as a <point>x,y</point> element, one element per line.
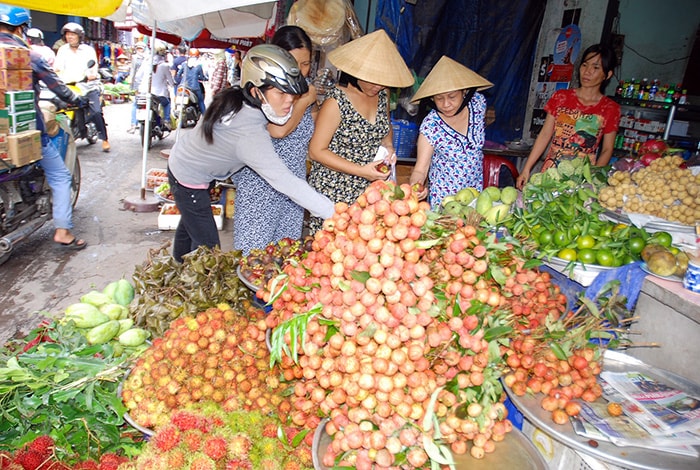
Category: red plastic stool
<point>492,169</point>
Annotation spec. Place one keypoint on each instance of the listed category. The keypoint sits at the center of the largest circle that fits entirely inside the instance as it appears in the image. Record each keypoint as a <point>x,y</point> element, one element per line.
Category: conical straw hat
<point>449,75</point>
<point>373,58</point>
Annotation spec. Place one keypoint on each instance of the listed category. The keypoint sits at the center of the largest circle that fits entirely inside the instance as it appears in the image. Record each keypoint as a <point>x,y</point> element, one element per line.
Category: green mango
<point>103,333</point>
<point>124,292</point>
<point>96,298</point>
<point>483,203</point>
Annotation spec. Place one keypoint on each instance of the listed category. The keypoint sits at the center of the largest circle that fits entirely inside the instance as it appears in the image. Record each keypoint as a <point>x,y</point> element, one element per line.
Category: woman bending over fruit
<point>233,134</point>
<point>449,150</point>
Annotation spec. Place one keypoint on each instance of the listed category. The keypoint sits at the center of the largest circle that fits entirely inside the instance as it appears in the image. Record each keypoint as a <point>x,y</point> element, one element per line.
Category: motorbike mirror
<point>91,63</point>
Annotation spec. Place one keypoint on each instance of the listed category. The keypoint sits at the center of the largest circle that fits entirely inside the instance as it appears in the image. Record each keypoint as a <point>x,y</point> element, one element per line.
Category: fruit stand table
<point>619,457</point>
<point>669,315</point>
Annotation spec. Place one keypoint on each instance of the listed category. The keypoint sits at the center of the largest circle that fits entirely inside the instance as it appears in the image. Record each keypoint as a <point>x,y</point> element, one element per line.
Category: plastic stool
<point>492,169</point>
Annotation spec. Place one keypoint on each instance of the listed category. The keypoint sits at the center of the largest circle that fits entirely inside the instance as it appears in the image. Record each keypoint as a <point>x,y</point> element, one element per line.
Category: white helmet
<point>35,33</point>
<point>73,28</point>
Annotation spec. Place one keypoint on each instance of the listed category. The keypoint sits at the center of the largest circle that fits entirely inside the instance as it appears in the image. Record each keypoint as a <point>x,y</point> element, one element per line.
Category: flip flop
<point>73,245</point>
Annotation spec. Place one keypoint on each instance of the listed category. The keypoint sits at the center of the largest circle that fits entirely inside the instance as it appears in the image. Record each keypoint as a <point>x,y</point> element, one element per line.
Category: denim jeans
<point>59,178</point>
<point>197,226</point>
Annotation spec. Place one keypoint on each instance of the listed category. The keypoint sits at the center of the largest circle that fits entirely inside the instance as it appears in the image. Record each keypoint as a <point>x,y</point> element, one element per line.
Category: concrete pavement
<point>42,277</point>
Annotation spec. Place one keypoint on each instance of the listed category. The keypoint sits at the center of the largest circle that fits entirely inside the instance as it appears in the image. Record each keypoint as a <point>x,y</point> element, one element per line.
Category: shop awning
<point>99,8</point>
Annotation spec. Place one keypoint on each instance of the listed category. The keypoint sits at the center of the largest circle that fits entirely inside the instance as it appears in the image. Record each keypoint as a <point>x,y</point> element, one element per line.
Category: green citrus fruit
<point>587,256</point>
<point>605,257</point>
<point>636,245</point>
<point>663,239</point>
<point>585,241</point>
<point>568,254</point>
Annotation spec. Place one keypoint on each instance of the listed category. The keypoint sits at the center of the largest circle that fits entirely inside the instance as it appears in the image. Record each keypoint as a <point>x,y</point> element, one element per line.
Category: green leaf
<point>360,276</point>
<point>558,351</point>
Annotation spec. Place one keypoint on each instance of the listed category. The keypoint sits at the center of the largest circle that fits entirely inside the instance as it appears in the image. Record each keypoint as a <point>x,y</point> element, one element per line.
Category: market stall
<point>405,328</point>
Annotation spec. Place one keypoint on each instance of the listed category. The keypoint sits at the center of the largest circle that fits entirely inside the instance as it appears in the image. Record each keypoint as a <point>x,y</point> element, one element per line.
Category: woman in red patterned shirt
<point>581,122</point>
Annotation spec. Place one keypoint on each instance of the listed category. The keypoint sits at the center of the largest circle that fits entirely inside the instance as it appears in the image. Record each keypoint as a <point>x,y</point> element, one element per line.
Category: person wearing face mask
<point>233,134</point>
<point>449,153</point>
<point>353,121</point>
<point>265,214</point>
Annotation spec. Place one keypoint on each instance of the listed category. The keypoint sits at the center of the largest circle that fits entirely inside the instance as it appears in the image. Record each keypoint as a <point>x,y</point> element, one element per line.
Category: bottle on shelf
<point>653,90</point>
<point>683,99</point>
<point>670,92</point>
<point>643,92</point>
<point>629,91</point>
<point>620,88</point>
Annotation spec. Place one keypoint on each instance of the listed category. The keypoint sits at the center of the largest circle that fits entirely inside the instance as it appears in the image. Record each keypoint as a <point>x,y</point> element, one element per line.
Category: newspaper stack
<point>656,415</point>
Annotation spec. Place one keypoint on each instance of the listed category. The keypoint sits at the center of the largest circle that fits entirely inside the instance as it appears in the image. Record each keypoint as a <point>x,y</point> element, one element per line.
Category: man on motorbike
<point>35,38</point>
<point>161,82</point>
<point>14,21</point>
<point>71,65</point>
<point>194,77</point>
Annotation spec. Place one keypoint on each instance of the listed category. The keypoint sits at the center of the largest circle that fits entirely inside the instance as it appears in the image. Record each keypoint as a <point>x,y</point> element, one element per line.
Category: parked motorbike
<point>186,105</point>
<point>157,127</point>
<point>25,196</point>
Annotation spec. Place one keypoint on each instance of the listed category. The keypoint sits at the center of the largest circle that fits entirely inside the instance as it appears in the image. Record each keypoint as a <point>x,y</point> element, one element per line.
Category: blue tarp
<point>495,38</point>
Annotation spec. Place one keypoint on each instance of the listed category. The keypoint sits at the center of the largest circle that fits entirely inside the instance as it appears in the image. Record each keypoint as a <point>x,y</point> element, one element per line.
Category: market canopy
<point>100,8</point>
<point>224,19</point>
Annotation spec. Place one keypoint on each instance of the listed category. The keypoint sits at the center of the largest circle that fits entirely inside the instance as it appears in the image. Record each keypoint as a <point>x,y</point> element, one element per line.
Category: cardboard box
<point>4,156</point>
<point>24,148</point>
<point>169,221</point>
<point>2,99</point>
<point>4,121</point>
<point>23,121</point>
<point>16,80</point>
<point>18,101</point>
<point>14,58</point>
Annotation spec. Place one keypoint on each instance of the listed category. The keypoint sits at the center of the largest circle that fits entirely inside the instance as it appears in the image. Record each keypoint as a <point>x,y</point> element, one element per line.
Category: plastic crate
<point>405,137</point>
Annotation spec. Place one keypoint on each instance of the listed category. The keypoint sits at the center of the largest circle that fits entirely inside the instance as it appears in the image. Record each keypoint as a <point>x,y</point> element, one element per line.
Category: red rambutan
<point>202,463</point>
<point>29,459</point>
<point>192,440</point>
<point>86,465</point>
<point>270,429</point>
<point>242,464</point>
<point>240,445</point>
<point>44,445</point>
<point>185,420</point>
<point>166,438</point>
<point>215,447</point>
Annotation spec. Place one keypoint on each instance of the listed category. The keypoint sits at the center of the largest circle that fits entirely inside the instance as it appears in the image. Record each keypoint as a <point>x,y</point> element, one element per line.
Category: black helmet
<point>73,28</point>
<point>270,65</point>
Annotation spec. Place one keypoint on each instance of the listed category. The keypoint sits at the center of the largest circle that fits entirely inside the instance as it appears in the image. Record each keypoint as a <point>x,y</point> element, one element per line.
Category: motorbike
<point>80,126</point>
<point>157,127</point>
<point>25,196</point>
<point>186,106</point>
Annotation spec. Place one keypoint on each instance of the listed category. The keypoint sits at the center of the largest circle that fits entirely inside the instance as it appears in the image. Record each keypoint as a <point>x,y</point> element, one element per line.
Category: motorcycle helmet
<point>14,16</point>
<point>35,33</point>
<point>270,65</point>
<point>73,28</point>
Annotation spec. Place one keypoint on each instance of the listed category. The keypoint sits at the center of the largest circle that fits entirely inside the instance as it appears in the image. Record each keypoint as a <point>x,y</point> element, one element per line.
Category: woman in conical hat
<point>353,121</point>
<point>449,150</point>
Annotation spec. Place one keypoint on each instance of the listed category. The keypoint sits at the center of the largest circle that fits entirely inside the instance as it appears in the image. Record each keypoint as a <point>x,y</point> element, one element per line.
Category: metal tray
<point>245,281</point>
<point>515,451</point>
<point>655,225</point>
<point>127,417</point>
<point>584,274</point>
<point>626,457</point>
